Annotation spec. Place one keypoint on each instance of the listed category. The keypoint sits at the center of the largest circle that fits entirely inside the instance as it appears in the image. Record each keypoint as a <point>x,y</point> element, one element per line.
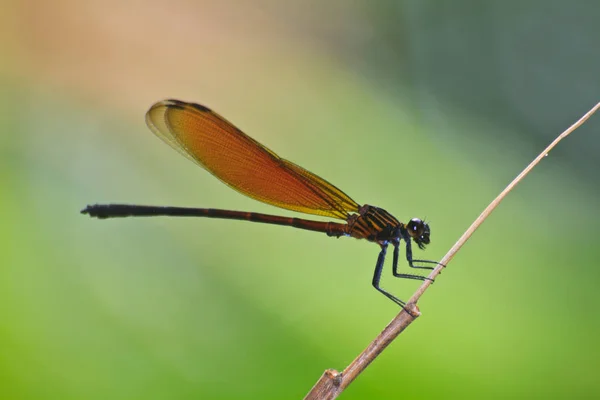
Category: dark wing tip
<point>181,105</point>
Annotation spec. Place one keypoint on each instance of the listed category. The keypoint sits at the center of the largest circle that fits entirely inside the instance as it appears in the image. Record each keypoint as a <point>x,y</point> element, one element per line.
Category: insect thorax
<point>374,224</point>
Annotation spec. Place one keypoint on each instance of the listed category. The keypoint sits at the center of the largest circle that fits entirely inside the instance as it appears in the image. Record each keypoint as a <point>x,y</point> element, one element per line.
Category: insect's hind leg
<point>377,278</point>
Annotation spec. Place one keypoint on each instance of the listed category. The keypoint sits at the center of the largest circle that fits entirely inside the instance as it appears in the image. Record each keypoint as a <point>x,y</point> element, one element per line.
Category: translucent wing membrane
<point>242,163</point>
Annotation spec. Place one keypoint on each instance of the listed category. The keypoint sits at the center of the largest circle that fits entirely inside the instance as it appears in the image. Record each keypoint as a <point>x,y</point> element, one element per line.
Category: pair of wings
<point>242,163</point>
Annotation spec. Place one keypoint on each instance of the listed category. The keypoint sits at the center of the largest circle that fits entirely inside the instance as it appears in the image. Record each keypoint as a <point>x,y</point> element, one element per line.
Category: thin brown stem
<point>332,383</point>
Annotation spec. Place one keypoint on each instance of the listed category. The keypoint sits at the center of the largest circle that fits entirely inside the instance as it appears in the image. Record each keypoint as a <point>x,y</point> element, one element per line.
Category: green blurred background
<point>425,108</point>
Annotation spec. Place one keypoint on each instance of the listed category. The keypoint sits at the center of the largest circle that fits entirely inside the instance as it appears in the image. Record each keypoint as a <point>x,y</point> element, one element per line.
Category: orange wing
<point>242,163</point>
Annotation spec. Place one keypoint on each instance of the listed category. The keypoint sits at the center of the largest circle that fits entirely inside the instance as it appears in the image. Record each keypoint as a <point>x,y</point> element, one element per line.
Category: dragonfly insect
<point>242,163</point>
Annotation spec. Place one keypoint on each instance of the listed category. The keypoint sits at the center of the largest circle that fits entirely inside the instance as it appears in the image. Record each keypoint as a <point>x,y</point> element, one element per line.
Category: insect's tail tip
<point>93,211</point>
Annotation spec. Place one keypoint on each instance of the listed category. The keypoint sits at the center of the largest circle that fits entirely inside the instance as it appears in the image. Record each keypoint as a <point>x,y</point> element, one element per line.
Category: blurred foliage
<point>424,108</point>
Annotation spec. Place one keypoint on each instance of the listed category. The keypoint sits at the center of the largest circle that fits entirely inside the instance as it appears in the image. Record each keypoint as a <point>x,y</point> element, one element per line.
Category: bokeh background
<point>425,108</point>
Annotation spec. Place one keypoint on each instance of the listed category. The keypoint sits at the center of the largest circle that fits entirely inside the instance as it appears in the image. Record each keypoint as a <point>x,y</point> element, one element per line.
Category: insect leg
<point>377,277</point>
<point>396,244</point>
<point>411,261</point>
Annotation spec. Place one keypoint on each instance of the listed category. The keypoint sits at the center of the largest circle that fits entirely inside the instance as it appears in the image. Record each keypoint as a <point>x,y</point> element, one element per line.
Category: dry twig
<point>332,382</point>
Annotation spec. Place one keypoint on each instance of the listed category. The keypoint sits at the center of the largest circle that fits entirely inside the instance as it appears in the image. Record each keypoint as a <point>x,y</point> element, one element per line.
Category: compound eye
<point>415,227</point>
